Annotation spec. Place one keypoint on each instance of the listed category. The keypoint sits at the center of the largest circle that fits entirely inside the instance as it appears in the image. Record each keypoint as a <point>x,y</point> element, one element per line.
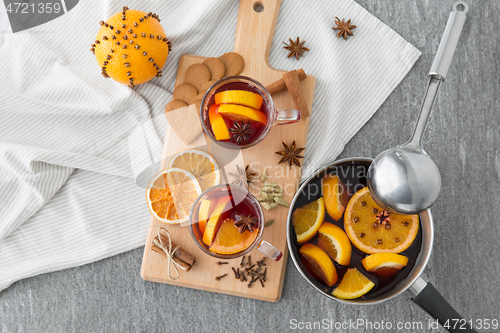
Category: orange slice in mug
<point>241,97</point>
<point>230,241</point>
<point>213,223</point>
<point>219,127</point>
<point>242,113</point>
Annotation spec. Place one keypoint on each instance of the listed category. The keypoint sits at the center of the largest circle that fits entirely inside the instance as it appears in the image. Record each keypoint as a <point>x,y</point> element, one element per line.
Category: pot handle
<point>428,298</point>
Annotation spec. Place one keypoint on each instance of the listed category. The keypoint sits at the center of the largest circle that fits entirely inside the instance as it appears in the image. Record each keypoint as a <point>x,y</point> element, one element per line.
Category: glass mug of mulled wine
<point>238,112</point>
<point>227,222</point>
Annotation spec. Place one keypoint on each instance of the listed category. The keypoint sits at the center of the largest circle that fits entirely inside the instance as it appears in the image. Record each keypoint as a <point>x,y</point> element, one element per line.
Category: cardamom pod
<point>273,205</point>
<point>268,189</point>
<point>278,190</point>
<point>271,184</point>
<point>268,223</point>
<point>277,195</point>
<point>281,201</point>
<point>266,205</point>
<point>265,196</point>
<point>261,200</point>
<point>264,176</point>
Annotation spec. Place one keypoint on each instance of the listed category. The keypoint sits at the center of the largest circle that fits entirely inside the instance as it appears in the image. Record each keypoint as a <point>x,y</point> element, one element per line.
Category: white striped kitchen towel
<point>70,140</point>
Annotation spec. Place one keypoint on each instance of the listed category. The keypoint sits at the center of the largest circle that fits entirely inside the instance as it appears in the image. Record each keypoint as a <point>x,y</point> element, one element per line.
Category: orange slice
<point>213,222</point>
<point>320,263</point>
<point>242,113</point>
<point>219,127</point>
<point>353,285</point>
<point>335,243</point>
<point>335,195</point>
<point>308,219</point>
<point>230,241</point>
<point>170,195</point>
<point>241,97</point>
<point>384,264</point>
<point>204,214</point>
<point>373,230</point>
<point>200,164</point>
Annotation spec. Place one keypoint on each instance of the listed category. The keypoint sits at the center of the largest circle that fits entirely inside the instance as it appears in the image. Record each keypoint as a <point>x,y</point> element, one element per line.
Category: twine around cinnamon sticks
<point>177,257</point>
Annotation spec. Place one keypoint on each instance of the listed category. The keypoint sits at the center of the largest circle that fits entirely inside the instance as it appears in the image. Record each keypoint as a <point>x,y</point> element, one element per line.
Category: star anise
<point>290,155</point>
<point>296,49</point>
<point>343,27</point>
<point>383,219</point>
<point>241,132</point>
<point>245,222</point>
<point>244,176</point>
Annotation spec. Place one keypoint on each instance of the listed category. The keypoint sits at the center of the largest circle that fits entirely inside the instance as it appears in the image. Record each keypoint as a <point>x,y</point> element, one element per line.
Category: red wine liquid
<point>258,128</point>
<point>353,175</point>
<point>240,204</point>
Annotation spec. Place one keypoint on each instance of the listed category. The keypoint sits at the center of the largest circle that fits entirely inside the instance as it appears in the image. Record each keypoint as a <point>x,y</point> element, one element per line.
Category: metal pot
<point>423,293</point>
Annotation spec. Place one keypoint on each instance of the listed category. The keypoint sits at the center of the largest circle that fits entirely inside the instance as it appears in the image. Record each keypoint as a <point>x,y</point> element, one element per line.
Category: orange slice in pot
<point>335,195</point>
<point>353,285</point>
<point>374,230</point>
<point>308,219</point>
<point>320,263</point>
<point>335,243</point>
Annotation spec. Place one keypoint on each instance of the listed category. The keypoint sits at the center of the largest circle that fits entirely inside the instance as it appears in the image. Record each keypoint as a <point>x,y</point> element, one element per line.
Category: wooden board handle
<point>254,33</point>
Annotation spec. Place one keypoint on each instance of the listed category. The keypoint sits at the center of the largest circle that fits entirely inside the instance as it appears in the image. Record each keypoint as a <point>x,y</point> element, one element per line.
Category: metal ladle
<point>405,179</point>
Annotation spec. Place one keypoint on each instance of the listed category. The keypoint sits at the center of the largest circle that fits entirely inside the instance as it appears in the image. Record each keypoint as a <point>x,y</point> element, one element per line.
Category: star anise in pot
<point>245,222</point>
<point>290,154</point>
<point>344,28</point>
<point>295,48</point>
<point>244,176</point>
<point>241,132</point>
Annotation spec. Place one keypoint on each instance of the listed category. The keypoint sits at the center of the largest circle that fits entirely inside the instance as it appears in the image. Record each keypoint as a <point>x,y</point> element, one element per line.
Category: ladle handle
<point>449,41</point>
<point>429,299</point>
<point>440,66</point>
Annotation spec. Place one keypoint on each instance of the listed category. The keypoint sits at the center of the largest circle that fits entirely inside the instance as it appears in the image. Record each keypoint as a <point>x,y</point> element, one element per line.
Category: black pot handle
<point>429,299</point>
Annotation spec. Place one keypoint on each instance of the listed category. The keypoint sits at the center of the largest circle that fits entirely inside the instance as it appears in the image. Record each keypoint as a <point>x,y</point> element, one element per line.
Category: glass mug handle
<point>270,250</point>
<point>286,116</point>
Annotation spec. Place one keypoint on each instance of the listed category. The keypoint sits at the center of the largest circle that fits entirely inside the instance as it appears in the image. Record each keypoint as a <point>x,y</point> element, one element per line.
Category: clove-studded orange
<point>131,47</point>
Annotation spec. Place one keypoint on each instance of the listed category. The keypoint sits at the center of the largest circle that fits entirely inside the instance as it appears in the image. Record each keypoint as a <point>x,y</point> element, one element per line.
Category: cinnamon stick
<point>280,85</point>
<point>182,264</point>
<point>292,82</point>
<point>180,254</point>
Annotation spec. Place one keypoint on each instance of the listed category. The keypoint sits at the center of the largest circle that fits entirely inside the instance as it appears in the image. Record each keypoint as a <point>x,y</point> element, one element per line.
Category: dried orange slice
<point>321,264</point>
<point>200,164</point>
<point>308,219</point>
<point>213,223</point>
<point>353,285</point>
<point>230,241</point>
<point>335,243</point>
<point>335,195</point>
<point>241,97</point>
<point>219,127</point>
<point>374,230</point>
<point>384,264</point>
<point>170,195</point>
<point>242,113</point>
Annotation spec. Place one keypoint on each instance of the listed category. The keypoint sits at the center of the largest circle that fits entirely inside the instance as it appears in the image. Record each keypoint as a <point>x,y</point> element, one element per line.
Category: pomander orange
<point>131,47</point>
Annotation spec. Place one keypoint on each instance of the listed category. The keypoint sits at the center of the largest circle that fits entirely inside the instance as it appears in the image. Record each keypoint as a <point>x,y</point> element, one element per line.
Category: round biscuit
<point>185,92</point>
<point>197,75</point>
<point>216,67</point>
<point>233,62</point>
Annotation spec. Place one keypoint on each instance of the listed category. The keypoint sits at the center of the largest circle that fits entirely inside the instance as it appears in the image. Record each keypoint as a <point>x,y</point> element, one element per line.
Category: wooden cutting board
<point>254,35</point>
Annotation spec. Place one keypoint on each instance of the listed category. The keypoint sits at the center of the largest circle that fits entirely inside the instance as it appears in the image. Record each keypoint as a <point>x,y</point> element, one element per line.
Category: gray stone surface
<point>462,137</point>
